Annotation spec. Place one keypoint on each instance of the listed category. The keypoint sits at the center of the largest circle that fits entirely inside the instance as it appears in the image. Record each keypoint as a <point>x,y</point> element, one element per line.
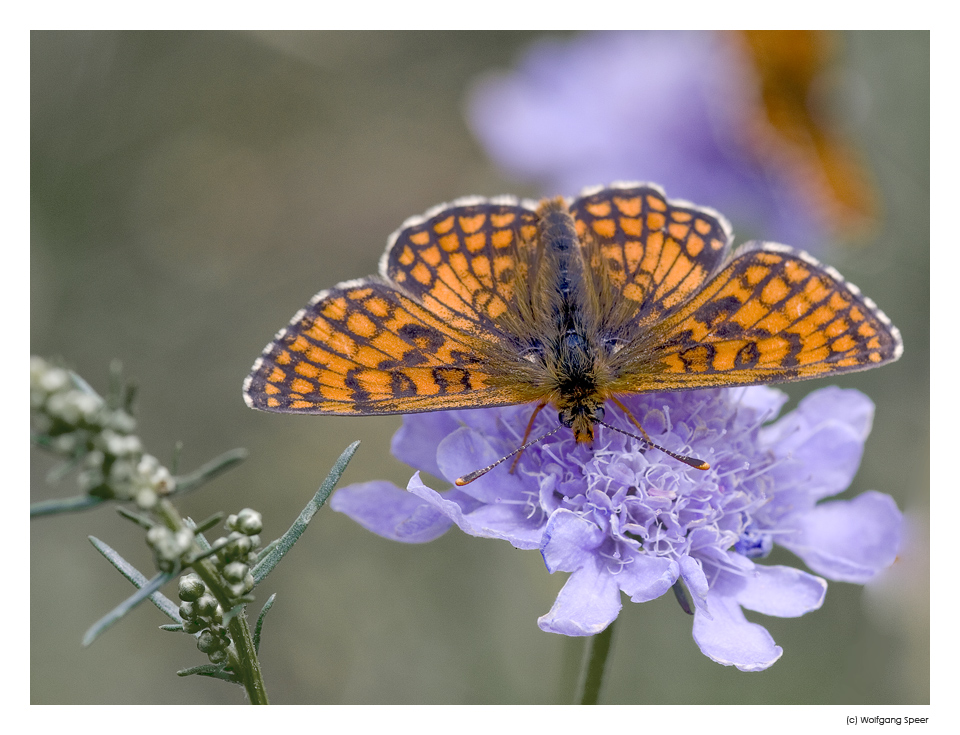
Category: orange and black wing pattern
<point>769,314</point>
<point>412,339</point>
<point>656,253</point>
<point>455,318</point>
<point>772,315</point>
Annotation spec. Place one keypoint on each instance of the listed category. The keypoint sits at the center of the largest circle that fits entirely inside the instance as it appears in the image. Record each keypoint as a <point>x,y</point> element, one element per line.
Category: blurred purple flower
<point>619,519</point>
<point>676,107</point>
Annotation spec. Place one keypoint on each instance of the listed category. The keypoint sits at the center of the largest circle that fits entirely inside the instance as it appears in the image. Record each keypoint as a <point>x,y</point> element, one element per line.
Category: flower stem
<point>248,665</point>
<point>594,664</point>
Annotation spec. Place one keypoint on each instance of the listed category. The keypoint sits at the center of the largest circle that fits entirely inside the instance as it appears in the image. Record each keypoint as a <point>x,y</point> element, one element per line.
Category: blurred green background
<point>192,190</point>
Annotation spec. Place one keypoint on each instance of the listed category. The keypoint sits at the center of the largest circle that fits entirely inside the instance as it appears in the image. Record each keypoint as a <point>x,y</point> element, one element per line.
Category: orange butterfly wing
<point>410,340</point>
<point>767,315</point>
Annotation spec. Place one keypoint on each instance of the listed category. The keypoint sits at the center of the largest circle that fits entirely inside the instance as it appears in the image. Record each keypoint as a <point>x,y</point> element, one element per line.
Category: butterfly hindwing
<point>657,253</point>
<point>771,315</point>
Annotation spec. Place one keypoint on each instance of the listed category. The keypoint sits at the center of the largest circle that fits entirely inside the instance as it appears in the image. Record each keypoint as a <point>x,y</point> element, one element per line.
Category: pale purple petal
<point>569,541</point>
<point>692,570</point>
<point>730,639</point>
<point>764,401</point>
<point>822,441</point>
<point>645,577</point>
<point>388,511</point>
<point>782,591</point>
<point>467,450</point>
<point>848,540</point>
<point>588,602</point>
<point>844,404</point>
<point>509,522</point>
<point>415,442</point>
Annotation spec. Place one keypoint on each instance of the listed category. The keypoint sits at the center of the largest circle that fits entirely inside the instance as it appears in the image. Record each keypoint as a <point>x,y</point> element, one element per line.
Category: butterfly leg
<point>632,418</point>
<point>526,434</point>
<point>697,464</point>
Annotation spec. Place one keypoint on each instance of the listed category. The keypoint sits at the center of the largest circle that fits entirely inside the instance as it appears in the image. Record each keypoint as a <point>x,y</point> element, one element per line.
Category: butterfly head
<point>581,416</point>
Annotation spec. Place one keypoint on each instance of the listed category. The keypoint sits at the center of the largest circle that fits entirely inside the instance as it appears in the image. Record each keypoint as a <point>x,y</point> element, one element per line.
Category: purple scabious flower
<point>681,108</point>
<point>621,519</point>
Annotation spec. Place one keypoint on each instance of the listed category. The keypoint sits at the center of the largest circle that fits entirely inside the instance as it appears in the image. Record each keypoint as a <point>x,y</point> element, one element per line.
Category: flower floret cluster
<point>70,419</point>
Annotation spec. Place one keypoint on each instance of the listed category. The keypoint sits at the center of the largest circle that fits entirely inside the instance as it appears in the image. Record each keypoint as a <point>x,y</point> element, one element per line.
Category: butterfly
<point>570,304</point>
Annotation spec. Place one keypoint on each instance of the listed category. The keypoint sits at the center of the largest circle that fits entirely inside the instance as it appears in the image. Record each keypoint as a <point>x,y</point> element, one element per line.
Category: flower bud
<point>53,379</point>
<point>235,571</point>
<point>238,547</point>
<point>208,642</point>
<point>219,656</point>
<point>206,605</point>
<point>249,522</point>
<point>191,587</point>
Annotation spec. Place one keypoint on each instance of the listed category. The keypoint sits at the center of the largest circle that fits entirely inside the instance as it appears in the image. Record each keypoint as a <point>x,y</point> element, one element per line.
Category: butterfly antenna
<point>697,464</point>
<point>467,479</point>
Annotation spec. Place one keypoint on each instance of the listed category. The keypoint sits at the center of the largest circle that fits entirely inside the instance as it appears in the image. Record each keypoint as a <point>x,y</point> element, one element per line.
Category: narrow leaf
<point>286,542</point>
<point>98,628</point>
<point>216,672</point>
<point>212,521</point>
<point>138,518</point>
<point>82,384</point>
<point>164,603</point>
<point>263,613</point>
<point>65,505</point>
<point>212,469</point>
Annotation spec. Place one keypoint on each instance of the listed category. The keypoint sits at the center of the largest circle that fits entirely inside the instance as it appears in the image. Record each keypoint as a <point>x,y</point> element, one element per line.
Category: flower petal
<point>730,639</point>
<point>850,406</point>
<point>696,581</point>
<point>848,540</point>
<point>388,511</point>
<point>782,591</point>
<point>646,577</point>
<point>823,440</point>
<point>588,602</point>
<point>766,401</point>
<point>569,541</point>
<point>467,450</point>
<point>508,521</point>
<point>416,441</point>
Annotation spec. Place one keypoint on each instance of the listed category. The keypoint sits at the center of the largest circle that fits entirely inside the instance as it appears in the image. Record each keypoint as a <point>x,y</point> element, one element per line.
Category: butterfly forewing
<point>365,348</point>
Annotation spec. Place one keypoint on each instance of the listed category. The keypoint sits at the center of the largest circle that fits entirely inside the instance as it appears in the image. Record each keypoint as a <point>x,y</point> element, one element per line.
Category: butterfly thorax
<point>571,365</point>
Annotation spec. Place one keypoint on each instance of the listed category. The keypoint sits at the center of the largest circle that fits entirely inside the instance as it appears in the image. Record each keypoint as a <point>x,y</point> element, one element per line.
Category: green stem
<point>594,663</point>
<point>248,663</point>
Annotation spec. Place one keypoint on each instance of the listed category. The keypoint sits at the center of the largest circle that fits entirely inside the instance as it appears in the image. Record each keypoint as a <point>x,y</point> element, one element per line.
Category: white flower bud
<point>121,422</point>
<point>146,498</point>
<point>53,380</point>
<point>87,405</point>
